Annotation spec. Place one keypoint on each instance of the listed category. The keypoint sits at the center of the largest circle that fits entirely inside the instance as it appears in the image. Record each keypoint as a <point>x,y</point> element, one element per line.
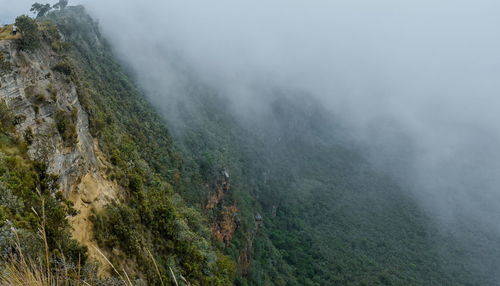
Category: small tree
<point>5,116</point>
<point>40,9</point>
<point>5,66</point>
<point>61,4</point>
<point>29,30</point>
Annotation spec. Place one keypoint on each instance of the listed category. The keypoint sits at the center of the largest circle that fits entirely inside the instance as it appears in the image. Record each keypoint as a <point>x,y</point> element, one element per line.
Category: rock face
<point>50,118</point>
<point>226,215</point>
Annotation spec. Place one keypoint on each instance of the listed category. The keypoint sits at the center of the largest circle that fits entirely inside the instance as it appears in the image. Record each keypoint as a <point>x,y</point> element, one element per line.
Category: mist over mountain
<point>423,71</point>
<point>348,142</point>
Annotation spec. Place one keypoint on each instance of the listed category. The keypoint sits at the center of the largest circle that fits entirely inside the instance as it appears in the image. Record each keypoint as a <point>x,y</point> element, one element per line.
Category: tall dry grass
<point>6,33</point>
<point>21,270</point>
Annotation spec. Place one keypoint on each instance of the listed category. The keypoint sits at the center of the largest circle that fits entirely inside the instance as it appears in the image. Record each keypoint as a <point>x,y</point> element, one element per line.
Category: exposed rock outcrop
<point>51,119</point>
<point>226,215</point>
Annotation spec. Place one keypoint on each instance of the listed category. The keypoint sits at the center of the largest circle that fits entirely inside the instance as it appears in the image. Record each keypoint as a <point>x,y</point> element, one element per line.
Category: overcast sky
<point>13,8</point>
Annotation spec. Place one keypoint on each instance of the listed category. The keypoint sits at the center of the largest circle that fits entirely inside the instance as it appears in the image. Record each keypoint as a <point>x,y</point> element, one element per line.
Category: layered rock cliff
<point>80,115</point>
<point>50,118</point>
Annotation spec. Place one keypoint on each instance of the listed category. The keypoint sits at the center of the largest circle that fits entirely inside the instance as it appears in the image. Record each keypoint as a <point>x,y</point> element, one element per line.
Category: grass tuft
<point>6,33</point>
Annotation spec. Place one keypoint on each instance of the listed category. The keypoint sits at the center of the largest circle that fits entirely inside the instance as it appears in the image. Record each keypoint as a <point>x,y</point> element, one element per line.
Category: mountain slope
<point>328,215</point>
<point>109,153</point>
<point>283,199</point>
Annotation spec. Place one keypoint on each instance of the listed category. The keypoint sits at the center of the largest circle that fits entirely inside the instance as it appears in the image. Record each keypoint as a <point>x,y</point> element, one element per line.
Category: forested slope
<point>329,216</point>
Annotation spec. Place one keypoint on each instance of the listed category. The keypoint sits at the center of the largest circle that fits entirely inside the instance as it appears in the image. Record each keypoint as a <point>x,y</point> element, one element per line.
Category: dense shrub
<point>66,125</point>
<point>29,30</point>
<point>6,119</point>
<point>52,92</point>
<point>5,66</point>
<point>63,67</point>
<point>29,196</point>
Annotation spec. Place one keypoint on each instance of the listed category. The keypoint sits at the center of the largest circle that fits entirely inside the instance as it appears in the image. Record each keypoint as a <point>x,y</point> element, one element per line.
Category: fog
<point>423,70</point>
<point>427,70</point>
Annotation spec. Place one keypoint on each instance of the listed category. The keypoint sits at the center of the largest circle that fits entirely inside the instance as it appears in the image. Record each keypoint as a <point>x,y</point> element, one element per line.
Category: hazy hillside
<point>125,188</point>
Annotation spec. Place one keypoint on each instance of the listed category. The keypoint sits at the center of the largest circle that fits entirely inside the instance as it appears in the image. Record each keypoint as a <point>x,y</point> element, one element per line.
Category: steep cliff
<point>49,115</point>
<point>110,156</point>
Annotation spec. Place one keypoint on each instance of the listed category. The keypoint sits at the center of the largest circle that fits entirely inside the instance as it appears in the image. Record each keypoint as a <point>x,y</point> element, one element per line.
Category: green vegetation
<point>143,160</point>
<point>63,67</point>
<point>6,32</point>
<point>322,203</point>
<point>52,92</point>
<point>5,66</point>
<point>29,198</point>
<point>153,218</point>
<point>29,30</point>
<point>329,217</point>
<point>66,125</point>
<point>6,120</point>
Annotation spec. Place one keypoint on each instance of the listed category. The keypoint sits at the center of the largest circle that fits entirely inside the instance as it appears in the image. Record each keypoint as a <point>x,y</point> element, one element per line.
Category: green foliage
<point>30,35</point>
<point>66,125</point>
<point>28,195</point>
<point>52,92</point>
<point>64,67</point>
<point>6,119</point>
<point>59,46</point>
<point>28,135</point>
<point>169,237</point>
<point>40,98</point>
<point>212,143</point>
<point>5,66</point>
<point>331,218</point>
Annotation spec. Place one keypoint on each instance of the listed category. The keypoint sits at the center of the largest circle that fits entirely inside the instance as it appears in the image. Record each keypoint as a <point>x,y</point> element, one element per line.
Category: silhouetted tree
<point>40,9</point>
